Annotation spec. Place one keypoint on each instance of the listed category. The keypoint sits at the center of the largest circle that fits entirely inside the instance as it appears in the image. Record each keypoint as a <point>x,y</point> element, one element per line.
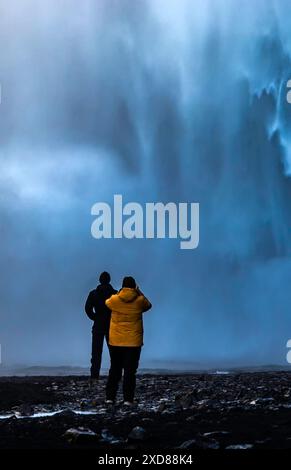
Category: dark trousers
<point>98,335</point>
<point>122,358</point>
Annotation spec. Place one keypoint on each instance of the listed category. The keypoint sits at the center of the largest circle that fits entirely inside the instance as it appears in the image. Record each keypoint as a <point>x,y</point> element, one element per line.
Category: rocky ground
<point>190,411</point>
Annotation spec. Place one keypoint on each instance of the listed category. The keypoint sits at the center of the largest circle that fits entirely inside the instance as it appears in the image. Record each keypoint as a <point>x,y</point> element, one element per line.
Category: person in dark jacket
<point>100,314</point>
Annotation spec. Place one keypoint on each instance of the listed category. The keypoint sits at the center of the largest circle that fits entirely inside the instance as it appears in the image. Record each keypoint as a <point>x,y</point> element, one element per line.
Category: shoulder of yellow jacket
<point>112,300</point>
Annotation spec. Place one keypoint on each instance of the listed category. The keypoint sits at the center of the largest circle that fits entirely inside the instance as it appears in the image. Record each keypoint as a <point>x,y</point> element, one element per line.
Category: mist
<point>156,100</point>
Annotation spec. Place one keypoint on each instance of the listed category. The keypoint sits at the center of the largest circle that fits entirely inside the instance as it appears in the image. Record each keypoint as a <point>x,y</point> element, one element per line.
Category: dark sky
<point>157,101</point>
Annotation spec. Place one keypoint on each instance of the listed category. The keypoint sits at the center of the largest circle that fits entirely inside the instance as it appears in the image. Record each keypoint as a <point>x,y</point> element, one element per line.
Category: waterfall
<point>157,100</point>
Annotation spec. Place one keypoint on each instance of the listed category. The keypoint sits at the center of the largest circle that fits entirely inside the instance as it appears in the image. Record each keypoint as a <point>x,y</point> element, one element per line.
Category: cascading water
<point>159,101</point>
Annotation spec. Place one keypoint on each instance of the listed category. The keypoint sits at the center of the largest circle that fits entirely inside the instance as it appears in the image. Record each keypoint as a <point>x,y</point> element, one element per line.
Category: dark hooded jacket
<point>95,307</point>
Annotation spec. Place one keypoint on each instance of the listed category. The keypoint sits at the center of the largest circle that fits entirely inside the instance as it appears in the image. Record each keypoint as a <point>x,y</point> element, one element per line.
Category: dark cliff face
<point>184,103</point>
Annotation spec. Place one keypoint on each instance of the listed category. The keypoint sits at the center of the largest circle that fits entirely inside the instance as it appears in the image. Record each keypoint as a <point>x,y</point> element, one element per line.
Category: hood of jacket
<point>126,294</point>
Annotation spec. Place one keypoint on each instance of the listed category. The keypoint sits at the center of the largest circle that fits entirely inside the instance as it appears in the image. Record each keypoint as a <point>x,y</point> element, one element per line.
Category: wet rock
<point>9,421</point>
<point>200,443</point>
<point>263,441</point>
<point>215,433</point>
<point>24,410</point>
<point>262,401</point>
<point>147,420</point>
<point>207,443</point>
<point>137,434</point>
<point>186,401</point>
<point>239,447</point>
<point>190,444</point>
<point>104,410</point>
<point>84,404</point>
<point>109,438</point>
<point>162,407</point>
<point>80,436</point>
<point>67,414</point>
<point>190,419</point>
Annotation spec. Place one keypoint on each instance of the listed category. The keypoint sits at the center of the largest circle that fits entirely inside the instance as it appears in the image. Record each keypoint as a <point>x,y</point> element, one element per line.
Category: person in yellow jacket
<point>125,338</point>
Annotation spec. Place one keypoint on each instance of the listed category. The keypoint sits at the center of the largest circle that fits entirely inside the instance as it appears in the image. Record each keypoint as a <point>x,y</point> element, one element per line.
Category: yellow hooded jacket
<point>126,327</point>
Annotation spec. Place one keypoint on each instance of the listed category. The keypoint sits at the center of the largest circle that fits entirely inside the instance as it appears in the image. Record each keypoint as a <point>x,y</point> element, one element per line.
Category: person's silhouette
<point>100,314</point>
